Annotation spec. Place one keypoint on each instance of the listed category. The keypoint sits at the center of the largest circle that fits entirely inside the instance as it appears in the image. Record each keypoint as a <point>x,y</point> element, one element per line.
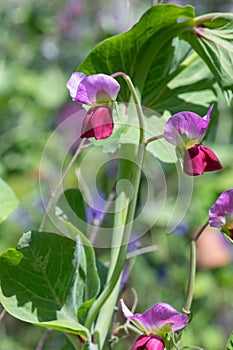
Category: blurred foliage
<point>42,42</point>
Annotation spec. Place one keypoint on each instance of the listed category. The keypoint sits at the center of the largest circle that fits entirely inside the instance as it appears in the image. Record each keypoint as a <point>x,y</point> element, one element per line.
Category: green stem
<point>104,318</point>
<point>199,232</point>
<point>137,103</point>
<point>153,138</point>
<point>93,312</point>
<point>192,272</point>
<point>118,255</point>
<point>192,276</point>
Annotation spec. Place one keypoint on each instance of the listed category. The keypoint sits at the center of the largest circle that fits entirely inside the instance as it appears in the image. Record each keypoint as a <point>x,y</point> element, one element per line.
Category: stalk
<point>192,270</point>
<point>121,234</point>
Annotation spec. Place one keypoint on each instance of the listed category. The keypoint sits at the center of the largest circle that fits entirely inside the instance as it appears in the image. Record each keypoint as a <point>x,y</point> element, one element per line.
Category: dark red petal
<point>87,130</point>
<point>98,123</point>
<point>199,159</point>
<point>212,161</point>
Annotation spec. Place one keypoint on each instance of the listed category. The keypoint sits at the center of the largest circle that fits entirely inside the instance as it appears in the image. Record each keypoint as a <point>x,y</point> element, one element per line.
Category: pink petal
<point>148,342</point>
<point>155,343</point>
<point>199,159</point>
<point>140,342</point>
<point>97,123</point>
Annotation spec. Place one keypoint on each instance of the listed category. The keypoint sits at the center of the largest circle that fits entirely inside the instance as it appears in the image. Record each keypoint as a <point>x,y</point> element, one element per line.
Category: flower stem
<point>121,234</point>
<point>119,263</point>
<point>137,103</point>
<point>192,271</point>
<point>199,232</point>
<point>153,138</point>
<point>192,276</point>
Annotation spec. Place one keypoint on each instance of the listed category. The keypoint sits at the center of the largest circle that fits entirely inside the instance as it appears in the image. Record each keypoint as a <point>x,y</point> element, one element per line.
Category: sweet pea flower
<point>221,213</point>
<point>186,130</point>
<point>98,91</point>
<point>155,323</point>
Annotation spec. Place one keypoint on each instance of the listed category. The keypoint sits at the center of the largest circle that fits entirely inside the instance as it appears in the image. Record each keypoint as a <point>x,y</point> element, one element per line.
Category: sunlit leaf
<point>43,281</point>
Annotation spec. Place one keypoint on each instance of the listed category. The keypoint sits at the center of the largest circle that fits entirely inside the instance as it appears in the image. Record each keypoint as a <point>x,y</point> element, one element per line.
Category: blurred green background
<point>41,44</point>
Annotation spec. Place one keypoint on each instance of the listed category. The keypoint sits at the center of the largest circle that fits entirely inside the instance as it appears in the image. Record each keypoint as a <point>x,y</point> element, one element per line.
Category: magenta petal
<point>97,89</point>
<point>221,212</point>
<point>200,159</point>
<point>73,83</point>
<point>148,342</point>
<point>155,343</point>
<point>140,342</point>
<point>186,126</point>
<point>97,123</point>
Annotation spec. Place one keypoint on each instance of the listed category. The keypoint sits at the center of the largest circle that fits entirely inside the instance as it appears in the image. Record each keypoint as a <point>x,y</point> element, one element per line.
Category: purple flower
<point>186,130</point>
<point>158,321</point>
<point>148,342</point>
<point>98,91</point>
<point>221,213</point>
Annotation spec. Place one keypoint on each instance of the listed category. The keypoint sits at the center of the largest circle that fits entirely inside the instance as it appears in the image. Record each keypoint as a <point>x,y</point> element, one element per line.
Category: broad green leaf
<point>229,345</point>
<point>43,281</point>
<point>212,38</point>
<point>144,52</point>
<point>167,74</point>
<point>8,201</point>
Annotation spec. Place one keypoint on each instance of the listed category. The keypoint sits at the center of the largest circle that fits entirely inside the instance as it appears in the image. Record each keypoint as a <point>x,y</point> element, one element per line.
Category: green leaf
<point>43,281</point>
<point>73,207</point>
<point>229,345</point>
<point>8,201</point>
<point>191,88</point>
<point>212,38</point>
<point>144,52</point>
